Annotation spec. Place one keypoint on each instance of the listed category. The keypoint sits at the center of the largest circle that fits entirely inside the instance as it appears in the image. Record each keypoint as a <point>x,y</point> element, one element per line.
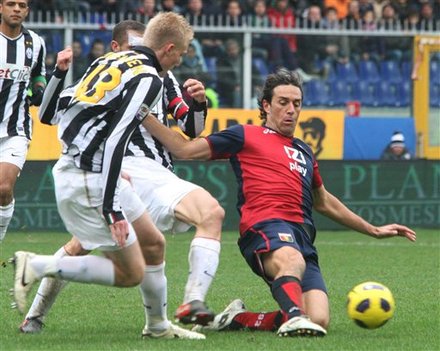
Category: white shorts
<point>79,200</point>
<point>159,189</point>
<point>14,150</point>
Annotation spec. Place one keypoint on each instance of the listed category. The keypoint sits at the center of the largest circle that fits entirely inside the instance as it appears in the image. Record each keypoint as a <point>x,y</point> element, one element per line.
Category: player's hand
<point>195,89</point>
<point>64,58</point>
<point>390,230</point>
<point>126,176</point>
<point>119,232</point>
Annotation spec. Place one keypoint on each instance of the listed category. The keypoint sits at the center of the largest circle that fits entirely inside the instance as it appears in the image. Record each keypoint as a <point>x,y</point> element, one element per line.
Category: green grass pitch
<point>91,317</point>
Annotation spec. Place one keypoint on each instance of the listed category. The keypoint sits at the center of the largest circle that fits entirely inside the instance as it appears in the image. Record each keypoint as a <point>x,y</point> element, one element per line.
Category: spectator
<point>191,66</point>
<point>436,10</point>
<point>229,68</point>
<point>336,46</point>
<point>395,48</point>
<point>396,149</point>
<point>282,15</point>
<point>261,42</point>
<point>198,13</point>
<point>370,46</point>
<point>97,50</point>
<point>233,14</point>
<point>402,8</point>
<point>272,48</point>
<point>311,48</point>
<point>353,18</point>
<point>170,6</point>
<point>194,11</point>
<point>412,22</point>
<point>79,62</point>
<point>148,8</point>
<point>427,19</point>
<point>366,5</point>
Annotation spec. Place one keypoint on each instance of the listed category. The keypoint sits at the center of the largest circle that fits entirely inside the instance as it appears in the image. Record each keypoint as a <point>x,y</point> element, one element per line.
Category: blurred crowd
<point>214,55</point>
<point>279,12</point>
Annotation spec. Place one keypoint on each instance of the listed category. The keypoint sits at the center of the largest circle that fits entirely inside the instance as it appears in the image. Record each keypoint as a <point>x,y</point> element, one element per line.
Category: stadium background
<point>357,125</point>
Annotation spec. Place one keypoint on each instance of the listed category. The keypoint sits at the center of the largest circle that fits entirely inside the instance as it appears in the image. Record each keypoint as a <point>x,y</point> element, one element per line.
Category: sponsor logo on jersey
<point>14,72</point>
<point>285,237</point>
<point>298,158</point>
<point>268,131</point>
<point>143,111</point>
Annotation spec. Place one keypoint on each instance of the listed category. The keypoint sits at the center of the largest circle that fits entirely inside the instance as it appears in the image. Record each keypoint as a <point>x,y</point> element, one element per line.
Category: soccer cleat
<point>301,326</point>
<point>32,325</point>
<point>194,312</point>
<point>25,277</point>
<point>223,320</point>
<point>173,332</point>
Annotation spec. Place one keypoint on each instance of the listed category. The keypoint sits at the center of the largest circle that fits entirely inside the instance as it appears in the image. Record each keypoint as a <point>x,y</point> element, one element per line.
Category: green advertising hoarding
<point>382,192</point>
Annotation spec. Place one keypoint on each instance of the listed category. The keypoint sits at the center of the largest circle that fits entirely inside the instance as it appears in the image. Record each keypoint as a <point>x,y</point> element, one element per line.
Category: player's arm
<point>176,143</point>
<point>330,206</point>
<point>50,103</point>
<point>38,77</point>
<point>190,119</point>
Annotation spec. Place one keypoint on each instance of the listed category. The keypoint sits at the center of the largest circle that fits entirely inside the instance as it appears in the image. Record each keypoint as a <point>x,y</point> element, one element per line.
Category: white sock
<point>154,295</point>
<point>6,213</point>
<point>47,293</point>
<point>82,269</point>
<point>203,260</point>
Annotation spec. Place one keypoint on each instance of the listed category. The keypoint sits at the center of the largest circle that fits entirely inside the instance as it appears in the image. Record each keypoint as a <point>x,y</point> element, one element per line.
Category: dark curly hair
<point>282,76</point>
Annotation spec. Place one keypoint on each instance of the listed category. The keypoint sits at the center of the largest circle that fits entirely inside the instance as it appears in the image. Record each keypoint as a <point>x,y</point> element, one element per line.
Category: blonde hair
<point>167,27</point>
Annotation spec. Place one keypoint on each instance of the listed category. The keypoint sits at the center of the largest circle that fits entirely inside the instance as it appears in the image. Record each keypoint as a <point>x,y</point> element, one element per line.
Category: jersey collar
<point>150,54</point>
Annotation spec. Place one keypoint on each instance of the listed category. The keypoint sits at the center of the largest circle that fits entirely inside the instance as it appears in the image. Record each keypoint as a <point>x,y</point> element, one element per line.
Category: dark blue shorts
<point>272,234</point>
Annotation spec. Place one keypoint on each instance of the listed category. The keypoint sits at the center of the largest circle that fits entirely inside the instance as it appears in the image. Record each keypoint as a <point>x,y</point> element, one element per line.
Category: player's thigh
<point>198,206</point>
<point>316,306</point>
<point>13,151</point>
<point>146,231</point>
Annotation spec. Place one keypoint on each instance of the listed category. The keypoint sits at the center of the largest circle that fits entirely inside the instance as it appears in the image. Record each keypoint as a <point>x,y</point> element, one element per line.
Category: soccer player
<point>109,102</point>
<point>21,67</point>
<point>166,196</point>
<point>279,185</point>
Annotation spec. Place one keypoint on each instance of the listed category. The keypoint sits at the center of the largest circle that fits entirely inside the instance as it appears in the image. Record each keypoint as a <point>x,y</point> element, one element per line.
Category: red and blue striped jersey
<point>276,174</point>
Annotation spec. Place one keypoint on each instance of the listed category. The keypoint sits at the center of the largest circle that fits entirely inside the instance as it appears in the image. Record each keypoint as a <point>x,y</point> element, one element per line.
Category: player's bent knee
<point>132,276</point>
<point>213,213</point>
<point>154,251</point>
<point>6,194</point>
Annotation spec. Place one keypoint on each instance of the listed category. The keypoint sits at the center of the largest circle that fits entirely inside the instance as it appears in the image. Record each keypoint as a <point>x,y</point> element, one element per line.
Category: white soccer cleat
<point>223,320</point>
<point>32,325</point>
<point>301,326</point>
<point>24,278</point>
<point>173,332</point>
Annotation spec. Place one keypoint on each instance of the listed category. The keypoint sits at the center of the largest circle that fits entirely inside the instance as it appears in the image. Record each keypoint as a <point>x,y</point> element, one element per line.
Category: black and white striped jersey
<point>190,119</point>
<point>97,116</point>
<point>21,59</point>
